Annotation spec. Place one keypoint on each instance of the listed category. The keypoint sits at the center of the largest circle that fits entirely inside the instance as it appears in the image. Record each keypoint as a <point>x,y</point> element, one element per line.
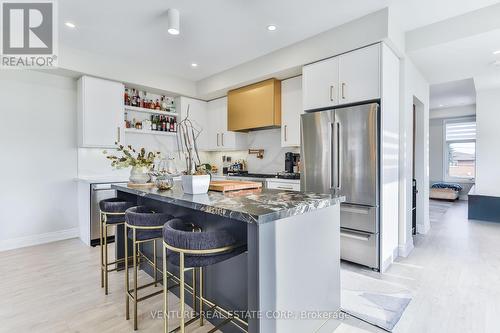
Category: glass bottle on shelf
<point>126,97</point>
<point>163,104</point>
<point>167,125</point>
<point>153,122</point>
<point>157,105</point>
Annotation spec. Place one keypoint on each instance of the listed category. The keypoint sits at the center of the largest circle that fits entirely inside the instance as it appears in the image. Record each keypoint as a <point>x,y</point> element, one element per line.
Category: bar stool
<point>193,251</point>
<point>142,225</point>
<point>112,213</point>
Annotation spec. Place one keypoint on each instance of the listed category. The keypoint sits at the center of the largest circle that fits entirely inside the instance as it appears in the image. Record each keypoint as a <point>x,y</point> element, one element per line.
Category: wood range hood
<point>253,107</point>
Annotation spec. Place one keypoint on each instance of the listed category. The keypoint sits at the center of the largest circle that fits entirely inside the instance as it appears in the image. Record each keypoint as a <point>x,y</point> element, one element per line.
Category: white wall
<point>453,112</point>
<point>488,142</point>
<point>39,158</point>
<point>414,85</point>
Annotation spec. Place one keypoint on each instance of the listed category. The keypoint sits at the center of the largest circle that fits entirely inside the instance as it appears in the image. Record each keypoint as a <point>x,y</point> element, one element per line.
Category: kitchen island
<point>289,278</point>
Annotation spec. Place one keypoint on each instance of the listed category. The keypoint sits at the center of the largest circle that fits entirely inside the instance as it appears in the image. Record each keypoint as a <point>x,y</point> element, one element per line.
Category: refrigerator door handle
<point>330,138</point>
<point>339,159</point>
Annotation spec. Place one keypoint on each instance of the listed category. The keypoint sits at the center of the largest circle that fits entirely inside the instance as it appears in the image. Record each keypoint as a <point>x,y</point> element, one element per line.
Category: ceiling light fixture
<point>70,25</point>
<point>194,64</point>
<point>271,27</point>
<point>497,52</point>
<point>173,18</point>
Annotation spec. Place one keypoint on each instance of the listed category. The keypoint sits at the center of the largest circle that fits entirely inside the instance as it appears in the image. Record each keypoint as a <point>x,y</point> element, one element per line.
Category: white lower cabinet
<point>281,185</point>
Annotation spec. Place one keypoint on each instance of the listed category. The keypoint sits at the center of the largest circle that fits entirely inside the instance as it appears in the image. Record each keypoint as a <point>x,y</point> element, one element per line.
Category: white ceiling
<point>221,34</point>
<point>216,34</point>
<point>451,94</point>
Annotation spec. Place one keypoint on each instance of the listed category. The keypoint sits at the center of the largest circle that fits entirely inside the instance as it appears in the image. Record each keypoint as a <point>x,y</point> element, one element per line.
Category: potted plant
<point>195,179</point>
<point>140,161</point>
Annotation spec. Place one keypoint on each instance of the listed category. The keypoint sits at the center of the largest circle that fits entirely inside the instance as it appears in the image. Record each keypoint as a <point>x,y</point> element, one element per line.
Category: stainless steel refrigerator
<point>340,155</point>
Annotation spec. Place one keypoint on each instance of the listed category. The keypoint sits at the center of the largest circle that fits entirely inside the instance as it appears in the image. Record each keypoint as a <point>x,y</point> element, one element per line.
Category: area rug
<point>437,209</point>
<point>377,302</point>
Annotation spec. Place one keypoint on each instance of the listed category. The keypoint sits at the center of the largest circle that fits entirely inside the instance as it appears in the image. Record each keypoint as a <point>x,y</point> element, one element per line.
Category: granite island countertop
<point>251,206</point>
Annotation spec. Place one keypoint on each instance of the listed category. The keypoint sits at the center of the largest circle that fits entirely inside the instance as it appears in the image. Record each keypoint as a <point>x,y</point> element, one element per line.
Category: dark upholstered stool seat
<point>179,234</point>
<point>143,218</point>
<point>115,205</point>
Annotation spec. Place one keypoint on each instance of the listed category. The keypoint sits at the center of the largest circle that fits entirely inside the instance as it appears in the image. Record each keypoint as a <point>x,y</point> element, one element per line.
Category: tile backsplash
<point>274,154</point>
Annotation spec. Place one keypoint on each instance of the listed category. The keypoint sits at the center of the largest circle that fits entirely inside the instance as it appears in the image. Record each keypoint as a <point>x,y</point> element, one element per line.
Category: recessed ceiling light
<point>441,105</point>
<point>70,25</point>
<point>496,52</point>
<point>194,64</point>
<point>271,27</point>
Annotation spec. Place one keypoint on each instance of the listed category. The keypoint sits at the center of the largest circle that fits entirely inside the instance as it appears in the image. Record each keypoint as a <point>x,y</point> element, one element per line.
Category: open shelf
<point>144,131</point>
<point>150,111</point>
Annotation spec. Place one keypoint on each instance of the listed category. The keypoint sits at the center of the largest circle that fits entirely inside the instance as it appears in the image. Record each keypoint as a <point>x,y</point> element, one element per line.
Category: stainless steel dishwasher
<point>99,192</point>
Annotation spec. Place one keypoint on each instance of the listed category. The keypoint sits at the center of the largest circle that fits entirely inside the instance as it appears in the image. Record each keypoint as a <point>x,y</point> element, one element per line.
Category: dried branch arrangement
<point>187,136</point>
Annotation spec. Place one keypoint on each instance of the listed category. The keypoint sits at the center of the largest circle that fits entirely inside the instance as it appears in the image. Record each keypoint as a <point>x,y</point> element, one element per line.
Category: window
<point>460,150</point>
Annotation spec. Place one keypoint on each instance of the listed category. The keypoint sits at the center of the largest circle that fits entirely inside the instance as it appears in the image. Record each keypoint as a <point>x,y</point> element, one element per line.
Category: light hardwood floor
<point>453,273</point>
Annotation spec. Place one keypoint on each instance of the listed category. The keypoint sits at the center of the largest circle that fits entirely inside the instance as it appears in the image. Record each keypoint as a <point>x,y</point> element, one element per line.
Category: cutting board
<point>231,185</point>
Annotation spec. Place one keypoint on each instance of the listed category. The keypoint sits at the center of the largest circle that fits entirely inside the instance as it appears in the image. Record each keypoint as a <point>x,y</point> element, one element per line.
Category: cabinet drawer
<point>359,217</point>
<point>359,247</point>
<point>283,186</point>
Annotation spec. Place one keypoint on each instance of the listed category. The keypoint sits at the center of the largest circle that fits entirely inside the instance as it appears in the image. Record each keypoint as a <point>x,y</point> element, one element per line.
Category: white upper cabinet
<point>322,82</point>
<point>359,75</point>
<point>349,78</point>
<point>291,109</point>
<point>197,115</point>
<point>100,112</point>
<point>219,138</point>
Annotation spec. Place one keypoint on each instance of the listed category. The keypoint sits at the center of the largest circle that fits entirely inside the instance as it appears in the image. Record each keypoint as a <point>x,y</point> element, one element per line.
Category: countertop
<point>102,179</point>
<point>251,206</point>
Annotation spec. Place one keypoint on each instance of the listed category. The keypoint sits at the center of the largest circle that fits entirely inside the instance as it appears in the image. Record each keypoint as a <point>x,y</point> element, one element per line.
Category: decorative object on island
<point>140,161</point>
<point>195,180</point>
<point>164,172</point>
<point>258,152</point>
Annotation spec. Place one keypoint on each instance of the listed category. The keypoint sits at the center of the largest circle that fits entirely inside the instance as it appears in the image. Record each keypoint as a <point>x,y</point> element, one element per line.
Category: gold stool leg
<point>155,273</point>
<point>201,296</point>
<point>194,271</point>
<point>165,290</point>
<point>105,258</point>
<point>181,292</point>
<point>135,278</point>
<point>101,243</point>
<point>127,287</point>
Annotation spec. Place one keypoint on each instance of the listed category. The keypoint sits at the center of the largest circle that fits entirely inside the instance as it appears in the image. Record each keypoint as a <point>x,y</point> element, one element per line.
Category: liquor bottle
<point>157,105</point>
<point>163,104</point>
<point>171,129</point>
<point>126,97</point>
<point>167,125</point>
<point>137,98</point>
<point>143,101</point>
<point>174,125</point>
<point>153,123</point>
<point>164,124</point>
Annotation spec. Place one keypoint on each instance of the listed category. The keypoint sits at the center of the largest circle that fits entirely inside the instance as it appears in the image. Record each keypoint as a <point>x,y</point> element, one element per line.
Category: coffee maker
<point>292,163</point>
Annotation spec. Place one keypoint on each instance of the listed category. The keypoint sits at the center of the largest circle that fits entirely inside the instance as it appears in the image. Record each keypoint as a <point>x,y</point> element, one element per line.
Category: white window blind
<point>461,131</point>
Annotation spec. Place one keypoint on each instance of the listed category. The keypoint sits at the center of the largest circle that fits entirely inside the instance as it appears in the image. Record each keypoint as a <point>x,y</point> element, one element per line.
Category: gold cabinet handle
<point>217,139</point>
<point>222,139</point>
<point>331,93</point>
<point>118,134</point>
<point>343,90</point>
<point>286,139</point>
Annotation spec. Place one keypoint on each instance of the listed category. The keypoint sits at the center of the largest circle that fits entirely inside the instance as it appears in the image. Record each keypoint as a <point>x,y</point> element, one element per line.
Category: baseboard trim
<point>404,250</point>
<point>423,229</point>
<point>386,264</point>
<point>16,243</point>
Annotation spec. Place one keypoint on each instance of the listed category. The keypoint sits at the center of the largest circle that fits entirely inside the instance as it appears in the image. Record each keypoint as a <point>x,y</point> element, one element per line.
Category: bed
<point>445,191</point>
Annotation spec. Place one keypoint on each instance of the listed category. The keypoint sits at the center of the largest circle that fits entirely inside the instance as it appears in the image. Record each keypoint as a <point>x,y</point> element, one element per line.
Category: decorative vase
<point>139,175</point>
<point>195,184</point>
